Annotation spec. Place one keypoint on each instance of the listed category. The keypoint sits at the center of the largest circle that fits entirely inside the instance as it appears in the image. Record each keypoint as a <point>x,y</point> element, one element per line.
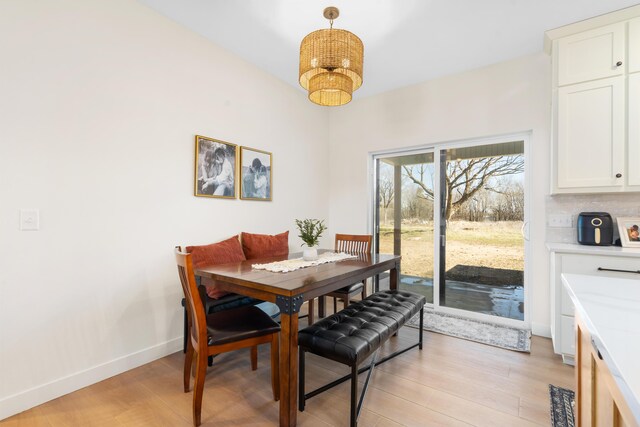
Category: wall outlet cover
<point>560,220</point>
<point>29,219</point>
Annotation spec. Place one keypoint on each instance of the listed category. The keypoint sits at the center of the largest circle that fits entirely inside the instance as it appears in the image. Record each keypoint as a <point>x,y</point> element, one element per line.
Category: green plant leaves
<point>310,230</point>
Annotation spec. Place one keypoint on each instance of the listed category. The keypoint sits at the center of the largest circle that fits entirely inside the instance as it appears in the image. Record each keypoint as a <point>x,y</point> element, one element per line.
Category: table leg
<point>288,369</point>
<point>321,310</point>
<point>394,277</point>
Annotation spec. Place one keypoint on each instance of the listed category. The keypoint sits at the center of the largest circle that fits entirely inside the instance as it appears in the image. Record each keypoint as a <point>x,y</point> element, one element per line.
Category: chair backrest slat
<point>353,243</point>
<point>195,308</point>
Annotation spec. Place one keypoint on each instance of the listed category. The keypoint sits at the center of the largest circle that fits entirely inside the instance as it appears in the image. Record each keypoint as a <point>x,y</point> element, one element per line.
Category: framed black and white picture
<point>629,228</point>
<point>215,174</point>
<point>256,170</point>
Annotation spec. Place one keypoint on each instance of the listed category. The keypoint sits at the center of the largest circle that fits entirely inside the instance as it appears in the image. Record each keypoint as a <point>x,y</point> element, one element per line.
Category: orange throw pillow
<point>265,245</point>
<point>217,253</point>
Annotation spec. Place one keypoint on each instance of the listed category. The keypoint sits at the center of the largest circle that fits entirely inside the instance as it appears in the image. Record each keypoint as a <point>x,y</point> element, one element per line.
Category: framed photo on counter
<point>629,228</point>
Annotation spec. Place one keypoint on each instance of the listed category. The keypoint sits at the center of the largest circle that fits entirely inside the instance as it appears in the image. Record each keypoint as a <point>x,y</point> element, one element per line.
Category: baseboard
<point>541,330</point>
<point>38,395</point>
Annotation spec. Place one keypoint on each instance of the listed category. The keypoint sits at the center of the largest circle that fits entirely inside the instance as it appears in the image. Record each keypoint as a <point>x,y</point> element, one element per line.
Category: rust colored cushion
<point>265,245</point>
<point>217,253</point>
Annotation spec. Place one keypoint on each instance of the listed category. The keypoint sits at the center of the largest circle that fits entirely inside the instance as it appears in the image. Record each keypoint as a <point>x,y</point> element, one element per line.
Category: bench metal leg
<point>365,368</point>
<point>420,330</point>
<point>354,396</point>
<point>356,404</point>
<point>364,388</point>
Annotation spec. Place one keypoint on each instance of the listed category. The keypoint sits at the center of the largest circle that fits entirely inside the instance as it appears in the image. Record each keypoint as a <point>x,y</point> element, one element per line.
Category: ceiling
<point>406,41</point>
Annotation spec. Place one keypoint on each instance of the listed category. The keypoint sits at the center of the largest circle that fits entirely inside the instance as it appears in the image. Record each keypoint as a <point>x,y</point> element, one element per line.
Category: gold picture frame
<point>216,164</point>
<point>256,172</point>
<point>629,229</point>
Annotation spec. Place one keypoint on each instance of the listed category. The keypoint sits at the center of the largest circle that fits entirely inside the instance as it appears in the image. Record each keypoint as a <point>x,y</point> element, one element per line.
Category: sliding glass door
<point>482,215</point>
<point>405,218</point>
<point>456,214</point>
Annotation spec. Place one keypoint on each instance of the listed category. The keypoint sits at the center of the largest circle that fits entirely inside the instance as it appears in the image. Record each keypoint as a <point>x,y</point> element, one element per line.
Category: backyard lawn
<point>498,245</point>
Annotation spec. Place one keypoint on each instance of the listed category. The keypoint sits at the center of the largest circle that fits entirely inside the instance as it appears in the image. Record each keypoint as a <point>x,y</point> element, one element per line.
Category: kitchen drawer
<point>567,307</point>
<point>568,338</point>
<point>589,264</point>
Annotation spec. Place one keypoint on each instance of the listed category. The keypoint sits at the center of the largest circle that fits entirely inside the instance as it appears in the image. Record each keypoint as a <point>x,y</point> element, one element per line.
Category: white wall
<point>509,97</point>
<point>99,105</point>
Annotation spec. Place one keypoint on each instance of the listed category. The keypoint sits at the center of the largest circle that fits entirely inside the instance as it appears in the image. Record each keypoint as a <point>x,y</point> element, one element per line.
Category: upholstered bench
<point>355,333</point>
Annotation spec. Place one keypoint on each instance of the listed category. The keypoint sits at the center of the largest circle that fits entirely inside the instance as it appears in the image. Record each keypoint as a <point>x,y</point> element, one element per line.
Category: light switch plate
<point>29,219</point>
<point>559,220</point>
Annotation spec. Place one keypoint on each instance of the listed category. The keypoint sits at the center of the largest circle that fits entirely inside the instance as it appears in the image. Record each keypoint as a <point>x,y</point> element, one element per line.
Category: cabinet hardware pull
<point>618,175</point>
<point>619,63</point>
<point>619,271</point>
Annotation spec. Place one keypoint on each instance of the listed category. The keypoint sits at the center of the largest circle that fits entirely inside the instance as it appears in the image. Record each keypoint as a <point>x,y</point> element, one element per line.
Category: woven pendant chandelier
<point>331,63</point>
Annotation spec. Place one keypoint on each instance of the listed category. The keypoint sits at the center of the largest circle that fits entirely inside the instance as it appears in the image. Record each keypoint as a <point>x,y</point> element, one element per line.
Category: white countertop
<point>574,248</point>
<point>610,309</point>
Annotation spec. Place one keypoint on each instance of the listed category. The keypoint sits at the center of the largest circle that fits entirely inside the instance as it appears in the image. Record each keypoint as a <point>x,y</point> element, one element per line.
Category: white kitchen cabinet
<point>578,259</point>
<point>633,157</point>
<point>634,45</point>
<point>593,54</point>
<point>590,134</point>
<point>595,126</point>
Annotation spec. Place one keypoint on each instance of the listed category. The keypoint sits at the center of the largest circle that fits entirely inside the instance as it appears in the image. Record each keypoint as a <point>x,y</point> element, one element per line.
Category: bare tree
<point>465,178</point>
<point>386,192</point>
<point>415,207</point>
<point>476,208</point>
<point>510,204</point>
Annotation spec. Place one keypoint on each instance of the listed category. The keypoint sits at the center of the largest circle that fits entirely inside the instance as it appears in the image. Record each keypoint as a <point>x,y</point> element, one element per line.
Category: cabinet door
<point>592,55</point>
<point>633,160</point>
<point>568,335</point>
<point>634,45</point>
<point>590,140</point>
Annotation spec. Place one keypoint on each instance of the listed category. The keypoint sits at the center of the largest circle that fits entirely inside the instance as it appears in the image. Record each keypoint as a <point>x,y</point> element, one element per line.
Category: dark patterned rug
<point>562,404</point>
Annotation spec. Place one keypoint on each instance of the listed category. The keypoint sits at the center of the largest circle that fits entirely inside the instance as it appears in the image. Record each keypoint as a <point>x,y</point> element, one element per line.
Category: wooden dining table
<point>288,291</point>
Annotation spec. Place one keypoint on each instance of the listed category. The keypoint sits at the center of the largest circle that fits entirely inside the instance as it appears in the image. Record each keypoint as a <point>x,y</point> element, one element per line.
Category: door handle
<point>525,236</point>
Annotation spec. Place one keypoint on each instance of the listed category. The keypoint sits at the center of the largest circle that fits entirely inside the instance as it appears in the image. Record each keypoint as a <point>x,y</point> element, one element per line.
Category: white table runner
<point>298,263</point>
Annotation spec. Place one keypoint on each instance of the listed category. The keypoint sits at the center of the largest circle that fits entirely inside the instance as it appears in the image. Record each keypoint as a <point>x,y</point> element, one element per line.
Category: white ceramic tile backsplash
<point>615,204</point>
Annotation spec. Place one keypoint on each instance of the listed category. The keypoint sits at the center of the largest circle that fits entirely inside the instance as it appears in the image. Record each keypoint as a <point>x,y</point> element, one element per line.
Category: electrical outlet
<point>559,221</point>
<point>29,219</point>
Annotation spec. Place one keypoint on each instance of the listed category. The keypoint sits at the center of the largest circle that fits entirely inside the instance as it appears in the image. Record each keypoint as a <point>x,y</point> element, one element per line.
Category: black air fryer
<point>595,228</point>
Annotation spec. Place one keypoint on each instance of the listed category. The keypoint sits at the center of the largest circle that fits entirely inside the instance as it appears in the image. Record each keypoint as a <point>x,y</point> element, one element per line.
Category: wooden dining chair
<point>356,244</point>
<point>222,332</point>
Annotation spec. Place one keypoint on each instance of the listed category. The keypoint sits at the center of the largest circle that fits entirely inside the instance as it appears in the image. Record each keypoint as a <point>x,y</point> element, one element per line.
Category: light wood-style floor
<point>451,382</point>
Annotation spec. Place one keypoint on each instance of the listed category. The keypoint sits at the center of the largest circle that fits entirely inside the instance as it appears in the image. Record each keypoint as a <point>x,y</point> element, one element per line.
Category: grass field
<point>482,244</point>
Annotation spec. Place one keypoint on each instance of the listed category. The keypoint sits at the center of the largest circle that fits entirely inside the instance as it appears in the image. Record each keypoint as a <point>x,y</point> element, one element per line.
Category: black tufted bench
<point>355,333</point>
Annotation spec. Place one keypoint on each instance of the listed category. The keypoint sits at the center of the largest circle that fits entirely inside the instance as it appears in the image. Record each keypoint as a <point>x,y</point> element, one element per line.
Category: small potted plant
<point>310,232</point>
